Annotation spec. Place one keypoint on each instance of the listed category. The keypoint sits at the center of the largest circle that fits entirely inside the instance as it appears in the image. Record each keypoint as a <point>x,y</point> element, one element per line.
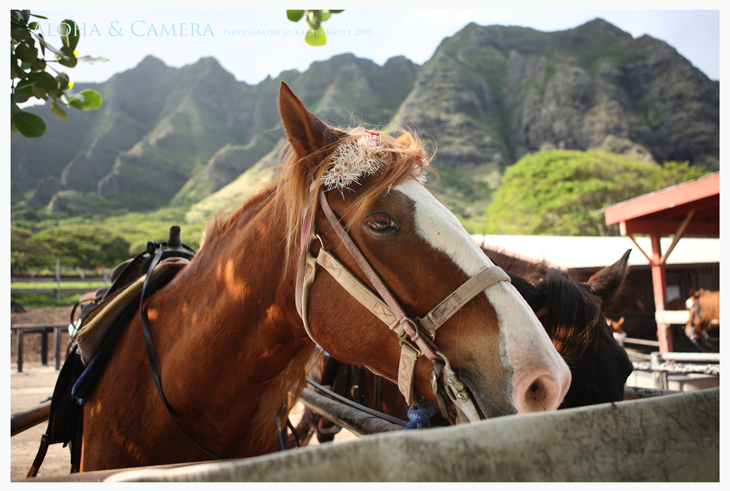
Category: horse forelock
<point>403,157</point>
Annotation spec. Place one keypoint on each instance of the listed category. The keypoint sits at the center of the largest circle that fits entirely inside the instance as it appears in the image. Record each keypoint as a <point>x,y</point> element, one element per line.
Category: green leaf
<point>314,20</point>
<point>39,65</point>
<point>39,16</point>
<point>25,52</point>
<point>43,80</point>
<point>91,60</point>
<point>47,46</point>
<point>39,93</point>
<point>33,26</point>
<point>295,15</point>
<point>29,125</point>
<point>62,82</point>
<point>13,106</point>
<point>67,60</point>
<point>92,97</point>
<point>19,34</point>
<point>58,110</point>
<point>18,98</point>
<point>316,38</point>
<point>325,15</point>
<point>91,100</point>
<point>71,38</point>
<point>21,16</point>
<point>336,11</point>
<point>24,87</point>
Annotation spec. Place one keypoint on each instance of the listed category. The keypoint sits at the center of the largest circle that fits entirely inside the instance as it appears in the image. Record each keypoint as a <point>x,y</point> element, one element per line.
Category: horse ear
<point>607,282</point>
<point>307,134</point>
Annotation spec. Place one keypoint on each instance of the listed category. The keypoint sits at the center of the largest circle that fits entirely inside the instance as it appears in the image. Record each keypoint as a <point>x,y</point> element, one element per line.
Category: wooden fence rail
<point>57,279</point>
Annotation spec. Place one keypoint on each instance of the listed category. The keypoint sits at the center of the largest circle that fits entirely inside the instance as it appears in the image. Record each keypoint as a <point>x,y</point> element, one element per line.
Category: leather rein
<point>416,335</point>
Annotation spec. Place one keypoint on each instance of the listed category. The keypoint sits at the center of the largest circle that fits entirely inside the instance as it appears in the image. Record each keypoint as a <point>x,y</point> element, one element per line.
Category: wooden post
<point>57,347</point>
<point>44,347</point>
<point>58,281</point>
<point>659,280</point>
<point>20,350</point>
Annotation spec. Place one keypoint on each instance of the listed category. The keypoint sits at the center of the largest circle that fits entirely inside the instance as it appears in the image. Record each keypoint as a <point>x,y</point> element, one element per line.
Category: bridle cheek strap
<point>388,309</point>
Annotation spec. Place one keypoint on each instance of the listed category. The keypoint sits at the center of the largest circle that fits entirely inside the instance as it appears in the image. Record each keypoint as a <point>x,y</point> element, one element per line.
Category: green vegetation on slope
<point>557,192</point>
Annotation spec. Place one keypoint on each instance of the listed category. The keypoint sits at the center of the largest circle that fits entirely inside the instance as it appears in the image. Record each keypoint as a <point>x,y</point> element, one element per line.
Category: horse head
<point>359,209</point>
<point>571,312</point>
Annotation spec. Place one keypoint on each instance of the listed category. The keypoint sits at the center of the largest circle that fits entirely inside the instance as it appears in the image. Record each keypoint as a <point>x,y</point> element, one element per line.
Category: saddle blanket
<point>100,330</point>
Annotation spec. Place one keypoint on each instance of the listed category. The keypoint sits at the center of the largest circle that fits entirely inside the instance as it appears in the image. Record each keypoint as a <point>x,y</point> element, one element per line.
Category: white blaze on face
<point>541,377</point>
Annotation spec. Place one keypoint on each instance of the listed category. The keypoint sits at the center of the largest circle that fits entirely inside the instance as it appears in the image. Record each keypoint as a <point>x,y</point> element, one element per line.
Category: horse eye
<point>380,223</point>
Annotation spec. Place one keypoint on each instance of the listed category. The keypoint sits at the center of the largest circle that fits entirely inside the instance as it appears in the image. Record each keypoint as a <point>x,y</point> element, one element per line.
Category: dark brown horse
<point>571,313</point>
<point>231,332</point>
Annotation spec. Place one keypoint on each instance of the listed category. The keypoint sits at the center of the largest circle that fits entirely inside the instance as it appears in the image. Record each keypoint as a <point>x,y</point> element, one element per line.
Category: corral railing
<point>663,364</point>
<point>43,329</point>
<point>57,280</point>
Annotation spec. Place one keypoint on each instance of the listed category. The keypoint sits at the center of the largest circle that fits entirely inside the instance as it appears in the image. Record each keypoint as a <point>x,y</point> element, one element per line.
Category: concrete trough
<point>658,439</point>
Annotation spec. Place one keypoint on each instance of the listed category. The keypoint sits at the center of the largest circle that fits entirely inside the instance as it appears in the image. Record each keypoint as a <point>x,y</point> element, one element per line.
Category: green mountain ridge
<point>197,139</point>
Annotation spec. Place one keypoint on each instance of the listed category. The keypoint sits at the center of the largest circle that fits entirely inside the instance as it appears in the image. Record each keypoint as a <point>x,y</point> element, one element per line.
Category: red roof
<point>663,211</point>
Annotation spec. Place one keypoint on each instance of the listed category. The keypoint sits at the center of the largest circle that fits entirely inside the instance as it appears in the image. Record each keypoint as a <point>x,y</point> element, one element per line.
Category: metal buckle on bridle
<point>321,242</point>
<point>405,339</point>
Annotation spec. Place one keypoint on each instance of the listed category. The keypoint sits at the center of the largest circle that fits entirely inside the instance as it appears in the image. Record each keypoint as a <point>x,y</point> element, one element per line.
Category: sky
<point>254,44</point>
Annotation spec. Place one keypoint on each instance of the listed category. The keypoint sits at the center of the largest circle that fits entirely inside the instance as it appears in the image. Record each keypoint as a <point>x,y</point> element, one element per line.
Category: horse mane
<point>569,303</point>
<point>574,316</point>
<point>405,156</point>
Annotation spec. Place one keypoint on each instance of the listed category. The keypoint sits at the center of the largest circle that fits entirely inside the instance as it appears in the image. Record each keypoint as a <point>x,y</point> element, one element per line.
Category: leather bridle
<point>416,335</point>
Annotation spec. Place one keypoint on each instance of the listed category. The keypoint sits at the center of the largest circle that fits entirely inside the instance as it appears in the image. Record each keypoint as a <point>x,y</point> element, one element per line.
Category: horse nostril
<point>544,393</point>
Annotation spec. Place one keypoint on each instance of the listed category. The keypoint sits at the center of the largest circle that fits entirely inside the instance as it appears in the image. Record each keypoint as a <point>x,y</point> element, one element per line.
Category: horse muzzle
<point>457,402</point>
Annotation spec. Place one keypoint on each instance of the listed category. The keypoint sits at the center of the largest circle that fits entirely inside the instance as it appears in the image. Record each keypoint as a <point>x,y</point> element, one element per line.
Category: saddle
<point>103,315</point>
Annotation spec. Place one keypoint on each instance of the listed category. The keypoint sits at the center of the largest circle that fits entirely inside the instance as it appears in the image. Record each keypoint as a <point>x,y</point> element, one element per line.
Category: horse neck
<point>241,332</point>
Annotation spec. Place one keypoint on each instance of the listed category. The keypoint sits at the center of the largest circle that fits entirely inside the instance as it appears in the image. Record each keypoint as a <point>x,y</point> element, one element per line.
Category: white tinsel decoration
<point>352,160</point>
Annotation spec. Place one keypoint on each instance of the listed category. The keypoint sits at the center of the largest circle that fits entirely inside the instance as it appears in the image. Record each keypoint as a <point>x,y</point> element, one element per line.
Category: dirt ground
<point>35,384</point>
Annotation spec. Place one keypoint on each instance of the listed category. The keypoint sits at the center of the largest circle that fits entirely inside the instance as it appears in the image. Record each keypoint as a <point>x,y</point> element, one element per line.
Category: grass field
<point>34,285</point>
<point>34,300</point>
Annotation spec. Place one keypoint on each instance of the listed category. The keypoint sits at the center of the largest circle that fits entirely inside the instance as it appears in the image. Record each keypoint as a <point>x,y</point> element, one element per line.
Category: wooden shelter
<point>688,209</point>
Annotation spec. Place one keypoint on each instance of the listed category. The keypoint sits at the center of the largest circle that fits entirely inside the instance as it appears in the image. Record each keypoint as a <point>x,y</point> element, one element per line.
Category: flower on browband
<point>353,160</point>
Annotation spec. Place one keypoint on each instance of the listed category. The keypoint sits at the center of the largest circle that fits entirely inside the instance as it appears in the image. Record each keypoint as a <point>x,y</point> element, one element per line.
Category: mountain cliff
<point>488,96</point>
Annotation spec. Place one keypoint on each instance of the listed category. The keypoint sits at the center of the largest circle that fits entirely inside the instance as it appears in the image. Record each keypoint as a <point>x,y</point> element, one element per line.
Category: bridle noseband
<point>416,335</point>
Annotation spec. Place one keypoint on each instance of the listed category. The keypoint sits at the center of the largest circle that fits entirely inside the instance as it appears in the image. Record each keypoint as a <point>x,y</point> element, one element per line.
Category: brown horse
<point>617,328</point>
<point>231,332</point>
<point>571,313</point>
<point>704,314</point>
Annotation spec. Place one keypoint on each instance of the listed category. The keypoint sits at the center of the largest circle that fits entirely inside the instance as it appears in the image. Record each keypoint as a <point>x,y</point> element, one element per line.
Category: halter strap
<point>386,307</point>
